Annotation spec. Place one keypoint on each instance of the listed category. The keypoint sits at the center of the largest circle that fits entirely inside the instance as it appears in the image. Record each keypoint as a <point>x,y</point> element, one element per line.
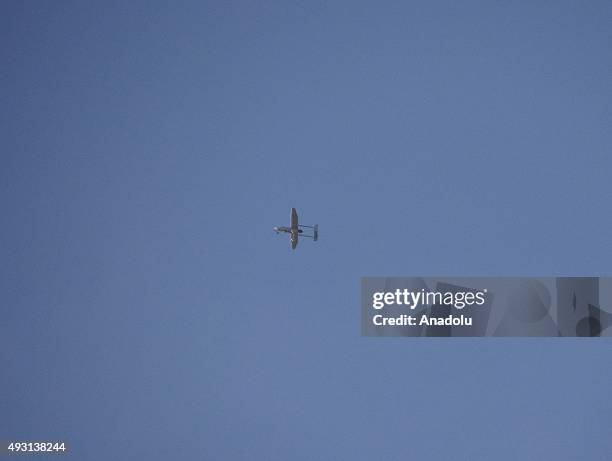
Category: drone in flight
<point>297,230</point>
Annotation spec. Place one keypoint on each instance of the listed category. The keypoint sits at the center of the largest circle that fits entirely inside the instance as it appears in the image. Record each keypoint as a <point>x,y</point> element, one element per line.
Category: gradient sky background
<point>149,311</point>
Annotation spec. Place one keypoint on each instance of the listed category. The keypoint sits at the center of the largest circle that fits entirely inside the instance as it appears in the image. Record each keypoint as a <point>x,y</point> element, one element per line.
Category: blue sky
<point>149,311</point>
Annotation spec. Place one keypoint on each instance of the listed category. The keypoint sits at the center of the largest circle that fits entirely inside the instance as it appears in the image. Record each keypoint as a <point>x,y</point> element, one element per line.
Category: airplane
<point>296,230</point>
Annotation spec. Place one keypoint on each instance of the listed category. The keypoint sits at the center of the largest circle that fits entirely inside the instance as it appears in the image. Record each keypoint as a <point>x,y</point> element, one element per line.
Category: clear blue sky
<point>149,311</point>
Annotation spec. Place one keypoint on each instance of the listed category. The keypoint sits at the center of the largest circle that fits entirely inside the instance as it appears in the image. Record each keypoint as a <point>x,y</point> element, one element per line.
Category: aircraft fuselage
<point>288,230</point>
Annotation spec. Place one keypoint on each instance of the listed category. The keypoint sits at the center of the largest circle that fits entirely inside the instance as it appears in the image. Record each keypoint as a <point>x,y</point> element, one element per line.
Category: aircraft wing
<point>294,220</point>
